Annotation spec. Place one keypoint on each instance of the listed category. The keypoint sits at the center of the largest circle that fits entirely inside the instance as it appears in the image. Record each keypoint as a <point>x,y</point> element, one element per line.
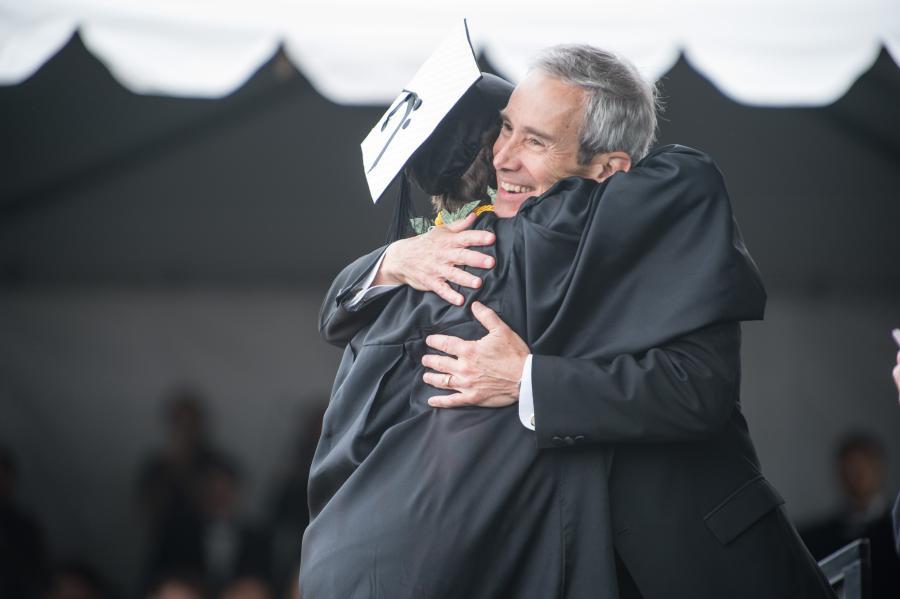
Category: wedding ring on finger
<point>447,380</point>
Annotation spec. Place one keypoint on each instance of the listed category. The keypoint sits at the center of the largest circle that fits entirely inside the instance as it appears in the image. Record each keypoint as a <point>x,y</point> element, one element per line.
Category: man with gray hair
<point>691,514</point>
<point>620,107</point>
<point>580,112</point>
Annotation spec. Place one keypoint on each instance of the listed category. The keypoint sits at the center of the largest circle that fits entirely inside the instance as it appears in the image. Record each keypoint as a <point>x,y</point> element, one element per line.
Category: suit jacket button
<point>569,441</point>
<point>557,440</point>
<point>579,438</point>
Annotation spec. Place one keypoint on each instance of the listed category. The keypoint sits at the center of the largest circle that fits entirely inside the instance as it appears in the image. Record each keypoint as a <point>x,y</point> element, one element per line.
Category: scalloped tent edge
<point>171,53</point>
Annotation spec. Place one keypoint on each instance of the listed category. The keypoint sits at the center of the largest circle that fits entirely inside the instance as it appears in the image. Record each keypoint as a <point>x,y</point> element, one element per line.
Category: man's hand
<point>429,262</point>
<point>485,372</point>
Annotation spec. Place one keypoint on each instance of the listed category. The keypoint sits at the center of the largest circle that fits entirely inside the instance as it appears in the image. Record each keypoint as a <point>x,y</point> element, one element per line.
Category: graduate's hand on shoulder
<point>431,261</point>
<point>483,373</point>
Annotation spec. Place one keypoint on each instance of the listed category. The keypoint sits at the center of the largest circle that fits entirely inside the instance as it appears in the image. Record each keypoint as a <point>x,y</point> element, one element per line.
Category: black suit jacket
<point>633,321</point>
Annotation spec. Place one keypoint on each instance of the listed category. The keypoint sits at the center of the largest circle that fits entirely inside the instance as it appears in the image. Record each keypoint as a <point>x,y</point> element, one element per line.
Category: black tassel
<point>401,226</point>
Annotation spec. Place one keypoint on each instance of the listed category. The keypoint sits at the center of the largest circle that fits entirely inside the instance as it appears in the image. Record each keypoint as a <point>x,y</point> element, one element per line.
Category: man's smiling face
<point>539,141</point>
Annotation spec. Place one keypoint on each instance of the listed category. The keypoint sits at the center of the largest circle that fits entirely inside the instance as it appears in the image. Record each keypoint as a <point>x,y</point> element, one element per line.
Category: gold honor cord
<point>439,221</point>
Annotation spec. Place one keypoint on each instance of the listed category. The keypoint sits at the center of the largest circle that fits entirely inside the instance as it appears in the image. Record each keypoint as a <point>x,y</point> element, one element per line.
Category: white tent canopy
<point>760,52</point>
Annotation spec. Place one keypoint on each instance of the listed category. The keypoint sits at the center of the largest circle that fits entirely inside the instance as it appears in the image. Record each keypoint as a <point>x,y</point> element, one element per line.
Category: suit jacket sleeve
<point>337,323</point>
<point>684,390</point>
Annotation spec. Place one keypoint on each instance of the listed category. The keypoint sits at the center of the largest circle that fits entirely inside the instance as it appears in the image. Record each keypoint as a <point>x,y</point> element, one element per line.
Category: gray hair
<point>620,113</point>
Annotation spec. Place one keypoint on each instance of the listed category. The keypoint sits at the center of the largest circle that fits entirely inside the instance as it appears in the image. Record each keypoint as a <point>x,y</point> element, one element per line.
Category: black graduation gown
<point>411,501</point>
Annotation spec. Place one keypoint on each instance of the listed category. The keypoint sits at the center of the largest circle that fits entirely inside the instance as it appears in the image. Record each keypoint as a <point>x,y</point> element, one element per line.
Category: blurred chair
<point>849,570</point>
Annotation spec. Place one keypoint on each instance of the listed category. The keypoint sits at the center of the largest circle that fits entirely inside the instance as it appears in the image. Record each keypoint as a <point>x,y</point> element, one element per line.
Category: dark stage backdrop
<point>147,241</point>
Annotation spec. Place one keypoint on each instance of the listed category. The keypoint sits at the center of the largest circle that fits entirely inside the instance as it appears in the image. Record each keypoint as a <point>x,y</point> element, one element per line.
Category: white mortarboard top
<point>418,110</point>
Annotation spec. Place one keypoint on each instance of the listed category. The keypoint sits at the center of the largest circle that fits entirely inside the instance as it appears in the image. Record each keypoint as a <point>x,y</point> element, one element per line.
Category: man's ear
<point>604,165</point>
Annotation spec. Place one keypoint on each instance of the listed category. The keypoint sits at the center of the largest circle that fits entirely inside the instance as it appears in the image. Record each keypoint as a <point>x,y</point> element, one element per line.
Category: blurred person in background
<point>77,580</point>
<point>288,507</point>
<point>177,586</point>
<point>233,547</point>
<point>169,481</point>
<point>219,544</point>
<point>23,556</point>
<point>248,587</point>
<point>860,467</point>
<point>167,486</point>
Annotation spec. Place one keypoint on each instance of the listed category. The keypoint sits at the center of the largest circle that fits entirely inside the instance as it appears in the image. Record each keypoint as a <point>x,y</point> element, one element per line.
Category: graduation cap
<point>433,130</point>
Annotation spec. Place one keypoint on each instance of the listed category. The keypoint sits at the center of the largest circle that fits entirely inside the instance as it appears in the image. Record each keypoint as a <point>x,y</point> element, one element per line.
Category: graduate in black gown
<point>372,534</point>
<point>411,501</point>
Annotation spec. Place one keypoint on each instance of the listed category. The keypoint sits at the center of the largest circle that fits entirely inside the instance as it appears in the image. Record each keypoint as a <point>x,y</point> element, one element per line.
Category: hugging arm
<point>344,312</point>
<point>427,262</point>
<point>684,390</point>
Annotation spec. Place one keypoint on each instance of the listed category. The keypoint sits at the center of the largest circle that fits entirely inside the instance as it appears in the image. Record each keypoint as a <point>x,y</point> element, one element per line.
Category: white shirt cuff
<point>526,399</point>
<point>366,290</point>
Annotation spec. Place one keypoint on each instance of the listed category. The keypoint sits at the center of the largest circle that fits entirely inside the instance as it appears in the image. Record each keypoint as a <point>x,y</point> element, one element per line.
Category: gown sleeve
<point>338,321</point>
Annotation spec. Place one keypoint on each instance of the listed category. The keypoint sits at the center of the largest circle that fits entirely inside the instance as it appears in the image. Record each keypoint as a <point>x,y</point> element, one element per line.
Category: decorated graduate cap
<point>452,147</point>
<point>433,130</point>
